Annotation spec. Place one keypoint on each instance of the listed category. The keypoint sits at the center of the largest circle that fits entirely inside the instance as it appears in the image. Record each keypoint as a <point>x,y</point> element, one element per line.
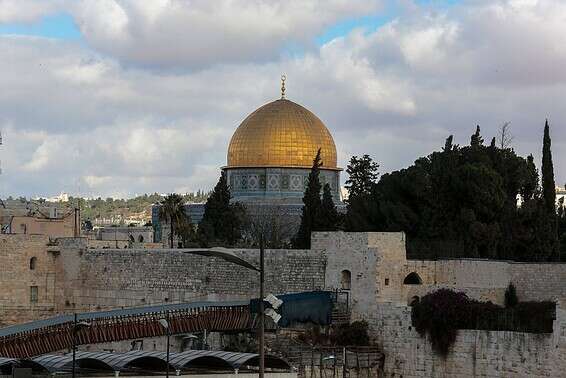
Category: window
<point>132,239</point>
<point>140,238</point>
<point>412,279</point>
<point>386,281</point>
<point>32,263</point>
<point>33,294</point>
<point>346,280</point>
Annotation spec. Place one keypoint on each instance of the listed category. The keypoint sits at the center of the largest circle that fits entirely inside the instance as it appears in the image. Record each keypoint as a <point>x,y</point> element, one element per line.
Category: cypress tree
<point>221,221</point>
<point>312,206</point>
<point>476,139</point>
<point>548,184</point>
<point>328,219</point>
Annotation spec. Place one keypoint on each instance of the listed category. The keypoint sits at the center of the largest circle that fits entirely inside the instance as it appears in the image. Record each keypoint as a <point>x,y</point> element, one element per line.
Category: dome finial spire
<point>283,78</point>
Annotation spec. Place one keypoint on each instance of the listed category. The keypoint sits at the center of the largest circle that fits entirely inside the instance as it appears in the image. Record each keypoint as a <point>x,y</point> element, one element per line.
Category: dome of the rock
<point>281,134</point>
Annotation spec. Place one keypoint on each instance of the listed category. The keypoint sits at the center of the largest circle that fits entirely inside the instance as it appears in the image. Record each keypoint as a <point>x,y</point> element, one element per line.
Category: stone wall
<point>17,278</point>
<point>474,354</point>
<point>535,282</point>
<point>110,278</point>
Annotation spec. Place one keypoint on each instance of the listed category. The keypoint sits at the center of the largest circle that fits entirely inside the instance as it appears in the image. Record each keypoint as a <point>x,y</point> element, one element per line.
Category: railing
<point>341,307</point>
<point>337,361</point>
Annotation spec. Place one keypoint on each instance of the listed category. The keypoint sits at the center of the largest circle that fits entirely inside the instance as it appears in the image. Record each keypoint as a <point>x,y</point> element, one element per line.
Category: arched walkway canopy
<point>6,365</point>
<point>157,361</point>
<point>53,363</point>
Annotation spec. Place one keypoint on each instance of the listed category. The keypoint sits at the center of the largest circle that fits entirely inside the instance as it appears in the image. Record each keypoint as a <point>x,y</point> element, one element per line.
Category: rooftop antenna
<point>283,78</point>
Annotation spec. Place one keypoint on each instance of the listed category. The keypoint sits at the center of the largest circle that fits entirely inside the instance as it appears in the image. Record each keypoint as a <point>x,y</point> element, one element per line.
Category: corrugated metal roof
<point>61,319</point>
<point>7,361</point>
<point>53,363</point>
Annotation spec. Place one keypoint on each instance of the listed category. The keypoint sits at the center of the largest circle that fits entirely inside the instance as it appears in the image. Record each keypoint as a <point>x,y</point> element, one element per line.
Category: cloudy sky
<point>123,97</point>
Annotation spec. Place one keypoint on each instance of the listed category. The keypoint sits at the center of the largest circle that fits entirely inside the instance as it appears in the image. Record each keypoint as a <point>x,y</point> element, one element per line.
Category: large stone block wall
<point>110,278</point>
<point>535,282</point>
<point>474,354</point>
<point>17,278</point>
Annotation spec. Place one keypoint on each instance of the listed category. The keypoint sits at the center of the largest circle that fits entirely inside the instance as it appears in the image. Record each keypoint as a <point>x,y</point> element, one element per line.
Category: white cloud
<point>27,10</point>
<point>200,33</point>
<point>73,114</point>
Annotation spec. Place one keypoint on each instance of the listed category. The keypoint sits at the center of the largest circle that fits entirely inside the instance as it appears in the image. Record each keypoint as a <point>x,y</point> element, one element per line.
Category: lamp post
<point>230,257</point>
<point>165,324</point>
<point>76,327</point>
<point>261,308</point>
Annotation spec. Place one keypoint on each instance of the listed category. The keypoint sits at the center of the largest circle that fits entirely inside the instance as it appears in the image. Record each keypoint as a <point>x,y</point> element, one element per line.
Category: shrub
<point>441,313</point>
<point>355,333</point>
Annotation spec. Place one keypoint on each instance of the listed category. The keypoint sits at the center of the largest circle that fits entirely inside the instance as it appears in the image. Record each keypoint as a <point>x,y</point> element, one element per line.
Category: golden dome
<point>281,134</point>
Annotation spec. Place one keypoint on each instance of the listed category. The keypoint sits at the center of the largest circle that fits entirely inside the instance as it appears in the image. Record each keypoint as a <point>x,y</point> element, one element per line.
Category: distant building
<point>135,234</point>
<point>55,224</point>
<point>560,195</point>
<point>194,211</point>
<point>62,197</point>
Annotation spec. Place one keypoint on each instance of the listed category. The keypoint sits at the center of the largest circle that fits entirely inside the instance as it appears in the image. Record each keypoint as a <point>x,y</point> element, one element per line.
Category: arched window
<point>140,238</point>
<point>132,239</point>
<point>346,280</point>
<point>32,263</point>
<point>412,279</point>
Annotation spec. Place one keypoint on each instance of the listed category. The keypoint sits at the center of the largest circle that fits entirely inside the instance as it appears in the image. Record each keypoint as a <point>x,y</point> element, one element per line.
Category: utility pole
<point>261,308</point>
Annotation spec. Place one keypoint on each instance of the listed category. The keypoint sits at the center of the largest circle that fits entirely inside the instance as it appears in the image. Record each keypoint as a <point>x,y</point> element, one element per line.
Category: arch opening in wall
<point>412,279</point>
<point>140,239</point>
<point>414,300</point>
<point>346,280</point>
<point>32,263</point>
<point>132,239</point>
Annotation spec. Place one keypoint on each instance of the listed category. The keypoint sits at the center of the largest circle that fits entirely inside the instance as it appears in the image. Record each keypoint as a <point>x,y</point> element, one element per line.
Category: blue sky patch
<point>60,26</point>
<point>368,23</point>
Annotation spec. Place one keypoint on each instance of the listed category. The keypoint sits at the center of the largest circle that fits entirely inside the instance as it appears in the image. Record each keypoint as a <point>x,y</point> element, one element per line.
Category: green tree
<point>329,219</point>
<point>172,210</point>
<point>476,139</point>
<point>461,201</point>
<point>222,221</point>
<point>362,174</point>
<point>363,210</point>
<point>548,184</point>
<point>312,206</point>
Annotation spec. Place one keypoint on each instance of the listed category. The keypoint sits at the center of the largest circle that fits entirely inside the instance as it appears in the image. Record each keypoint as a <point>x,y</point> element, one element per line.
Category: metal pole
<point>73,337</point>
<point>261,309</point>
<point>168,336</point>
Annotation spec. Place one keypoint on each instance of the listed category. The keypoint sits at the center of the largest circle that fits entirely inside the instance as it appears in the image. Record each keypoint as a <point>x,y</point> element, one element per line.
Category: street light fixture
<point>274,301</point>
<point>165,324</point>
<point>273,315</point>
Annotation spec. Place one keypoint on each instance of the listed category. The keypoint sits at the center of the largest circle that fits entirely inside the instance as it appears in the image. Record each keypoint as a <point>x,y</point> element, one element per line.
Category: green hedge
<point>442,313</point>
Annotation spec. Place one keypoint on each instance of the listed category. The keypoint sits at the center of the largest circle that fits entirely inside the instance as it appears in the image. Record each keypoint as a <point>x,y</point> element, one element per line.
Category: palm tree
<point>173,210</point>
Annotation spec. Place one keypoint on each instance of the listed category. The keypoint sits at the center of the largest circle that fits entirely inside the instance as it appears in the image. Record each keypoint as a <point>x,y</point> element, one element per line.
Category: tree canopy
<point>221,223</point>
<point>311,207</point>
<point>469,201</point>
<point>172,211</point>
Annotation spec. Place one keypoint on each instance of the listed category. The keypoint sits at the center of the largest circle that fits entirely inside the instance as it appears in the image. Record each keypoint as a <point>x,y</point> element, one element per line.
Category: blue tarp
<point>309,307</point>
